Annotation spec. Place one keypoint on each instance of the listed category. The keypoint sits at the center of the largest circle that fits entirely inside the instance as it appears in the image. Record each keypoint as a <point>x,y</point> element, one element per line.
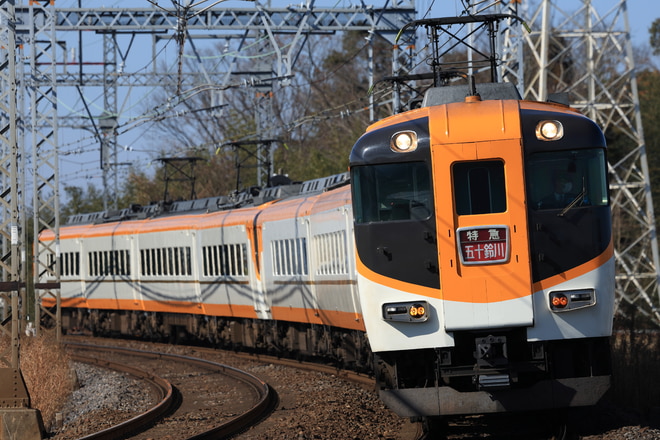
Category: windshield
<point>566,179</point>
<point>391,192</point>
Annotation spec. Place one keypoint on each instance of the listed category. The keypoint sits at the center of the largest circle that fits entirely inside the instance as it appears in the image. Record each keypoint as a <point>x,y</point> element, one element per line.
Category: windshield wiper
<point>575,201</point>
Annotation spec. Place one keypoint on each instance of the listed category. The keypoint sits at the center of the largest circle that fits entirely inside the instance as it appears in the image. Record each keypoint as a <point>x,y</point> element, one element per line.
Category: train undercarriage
<point>494,372</point>
<point>344,348</point>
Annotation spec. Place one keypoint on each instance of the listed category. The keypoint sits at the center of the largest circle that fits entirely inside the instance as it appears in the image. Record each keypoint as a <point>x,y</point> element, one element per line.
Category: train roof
<point>487,91</point>
<point>250,197</point>
<point>457,93</point>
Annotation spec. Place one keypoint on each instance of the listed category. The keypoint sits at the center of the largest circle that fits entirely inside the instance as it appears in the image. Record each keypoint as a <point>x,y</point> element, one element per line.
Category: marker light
<point>417,311</point>
<point>549,130</point>
<point>403,142</point>
<point>406,311</point>
<point>563,301</point>
<point>558,300</point>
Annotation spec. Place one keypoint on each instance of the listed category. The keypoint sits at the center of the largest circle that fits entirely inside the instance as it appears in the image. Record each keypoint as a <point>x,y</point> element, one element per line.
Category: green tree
<point>335,106</point>
<point>648,85</point>
<point>654,37</point>
<point>649,99</point>
<point>82,201</point>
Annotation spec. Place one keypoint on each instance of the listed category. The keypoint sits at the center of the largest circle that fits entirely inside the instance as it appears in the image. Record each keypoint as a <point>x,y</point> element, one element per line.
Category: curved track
<point>266,398</point>
<point>166,404</point>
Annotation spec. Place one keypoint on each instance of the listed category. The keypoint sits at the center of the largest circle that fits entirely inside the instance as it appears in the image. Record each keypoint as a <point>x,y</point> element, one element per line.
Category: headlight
<point>549,130</point>
<point>403,142</point>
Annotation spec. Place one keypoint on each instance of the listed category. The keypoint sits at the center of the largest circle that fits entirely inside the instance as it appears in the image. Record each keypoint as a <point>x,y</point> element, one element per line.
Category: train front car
<point>484,254</point>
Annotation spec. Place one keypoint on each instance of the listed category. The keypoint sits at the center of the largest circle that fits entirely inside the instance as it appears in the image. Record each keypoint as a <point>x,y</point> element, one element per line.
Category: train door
<point>257,282</point>
<point>482,235</point>
<point>133,269</point>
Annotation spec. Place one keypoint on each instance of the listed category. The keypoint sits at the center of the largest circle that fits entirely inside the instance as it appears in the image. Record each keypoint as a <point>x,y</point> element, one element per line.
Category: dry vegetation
<point>636,360</point>
<point>47,372</point>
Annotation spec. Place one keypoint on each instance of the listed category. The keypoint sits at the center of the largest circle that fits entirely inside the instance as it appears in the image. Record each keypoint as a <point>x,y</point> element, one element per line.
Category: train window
<point>69,263</point>
<point>331,253</point>
<point>159,262</point>
<point>479,187</point>
<point>289,256</point>
<point>186,264</point>
<point>177,268</point>
<point>223,260</point>
<point>127,265</point>
<point>112,266</point>
<point>170,261</point>
<point>214,269</point>
<point>103,263</point>
<point>288,270</point>
<point>127,260</point>
<point>392,192</point>
<point>277,266</point>
<point>205,261</point>
<point>110,262</point>
<point>557,179</point>
<point>302,255</point>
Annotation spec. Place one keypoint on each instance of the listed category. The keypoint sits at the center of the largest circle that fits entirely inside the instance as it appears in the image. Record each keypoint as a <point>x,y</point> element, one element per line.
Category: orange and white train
<point>467,260</point>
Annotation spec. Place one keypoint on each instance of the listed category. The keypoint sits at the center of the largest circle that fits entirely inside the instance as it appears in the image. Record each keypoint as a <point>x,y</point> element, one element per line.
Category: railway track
<point>324,404</point>
<point>315,401</point>
<point>163,388</point>
<point>457,428</point>
<point>187,373</point>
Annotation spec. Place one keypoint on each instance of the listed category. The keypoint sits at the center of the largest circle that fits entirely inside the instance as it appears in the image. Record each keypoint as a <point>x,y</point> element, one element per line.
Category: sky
<point>79,162</point>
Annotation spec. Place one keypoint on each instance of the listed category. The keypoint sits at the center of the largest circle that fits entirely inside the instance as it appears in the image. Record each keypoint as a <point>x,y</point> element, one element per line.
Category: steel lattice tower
<point>587,53</point>
<point>9,196</point>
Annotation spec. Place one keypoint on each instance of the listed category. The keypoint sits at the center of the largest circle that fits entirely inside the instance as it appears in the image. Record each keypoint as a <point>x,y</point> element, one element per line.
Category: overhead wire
<point>156,115</point>
<point>166,109</point>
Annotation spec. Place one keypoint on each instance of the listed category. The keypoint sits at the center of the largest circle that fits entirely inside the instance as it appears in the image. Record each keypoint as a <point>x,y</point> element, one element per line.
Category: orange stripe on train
<point>333,318</point>
<point>229,310</point>
<point>576,272</point>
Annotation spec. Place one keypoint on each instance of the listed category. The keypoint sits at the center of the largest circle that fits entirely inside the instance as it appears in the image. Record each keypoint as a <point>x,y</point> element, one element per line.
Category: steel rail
<point>266,403</point>
<point>164,389</point>
<point>350,375</point>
